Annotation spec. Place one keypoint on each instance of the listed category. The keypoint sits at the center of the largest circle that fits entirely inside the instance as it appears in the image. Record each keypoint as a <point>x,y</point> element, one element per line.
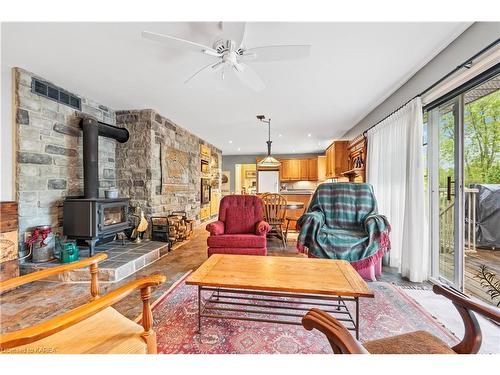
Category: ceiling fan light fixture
<point>231,52</point>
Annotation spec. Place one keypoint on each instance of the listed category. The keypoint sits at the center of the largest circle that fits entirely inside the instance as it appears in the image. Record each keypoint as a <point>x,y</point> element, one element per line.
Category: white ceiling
<point>352,68</point>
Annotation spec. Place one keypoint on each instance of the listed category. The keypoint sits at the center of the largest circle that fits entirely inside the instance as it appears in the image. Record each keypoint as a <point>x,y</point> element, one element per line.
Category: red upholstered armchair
<point>241,228</point>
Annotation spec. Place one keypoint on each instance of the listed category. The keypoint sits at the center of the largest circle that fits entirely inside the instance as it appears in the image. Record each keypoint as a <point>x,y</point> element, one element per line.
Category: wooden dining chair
<point>274,214</point>
<point>419,342</point>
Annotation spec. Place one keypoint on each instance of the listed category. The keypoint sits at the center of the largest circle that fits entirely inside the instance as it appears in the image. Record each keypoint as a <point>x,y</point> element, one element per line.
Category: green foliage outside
<point>481,141</point>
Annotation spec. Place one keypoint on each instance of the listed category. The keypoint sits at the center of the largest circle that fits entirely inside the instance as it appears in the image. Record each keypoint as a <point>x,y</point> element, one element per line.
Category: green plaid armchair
<point>342,222</point>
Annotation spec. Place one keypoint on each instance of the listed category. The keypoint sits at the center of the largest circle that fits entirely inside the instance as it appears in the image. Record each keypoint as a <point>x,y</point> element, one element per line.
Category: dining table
<point>293,205</point>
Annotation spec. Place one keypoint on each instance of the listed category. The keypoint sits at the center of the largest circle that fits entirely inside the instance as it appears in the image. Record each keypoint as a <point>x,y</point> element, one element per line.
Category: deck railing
<point>446,220</point>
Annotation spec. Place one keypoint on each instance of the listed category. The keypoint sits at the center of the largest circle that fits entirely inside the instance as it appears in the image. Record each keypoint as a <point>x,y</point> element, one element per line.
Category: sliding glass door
<point>464,180</point>
<point>445,142</point>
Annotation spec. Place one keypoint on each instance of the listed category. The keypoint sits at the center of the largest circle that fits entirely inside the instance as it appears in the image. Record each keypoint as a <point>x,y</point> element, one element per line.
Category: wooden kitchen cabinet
<point>312,169</point>
<point>356,151</point>
<point>329,161</point>
<point>299,169</point>
<point>291,170</point>
<point>295,173</point>
<point>284,169</point>
<point>336,159</point>
<point>303,169</point>
<point>321,168</point>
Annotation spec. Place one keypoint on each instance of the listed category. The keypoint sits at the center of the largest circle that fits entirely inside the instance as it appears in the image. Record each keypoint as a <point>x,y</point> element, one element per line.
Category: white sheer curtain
<point>395,168</point>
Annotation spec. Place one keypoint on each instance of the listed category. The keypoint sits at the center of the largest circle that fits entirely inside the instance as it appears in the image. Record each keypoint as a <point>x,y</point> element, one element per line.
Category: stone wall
<point>50,167</point>
<point>139,171</point>
<point>49,154</point>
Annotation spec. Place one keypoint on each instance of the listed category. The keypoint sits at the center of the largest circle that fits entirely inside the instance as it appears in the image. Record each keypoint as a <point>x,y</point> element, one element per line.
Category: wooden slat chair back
<point>275,208</point>
<point>275,212</point>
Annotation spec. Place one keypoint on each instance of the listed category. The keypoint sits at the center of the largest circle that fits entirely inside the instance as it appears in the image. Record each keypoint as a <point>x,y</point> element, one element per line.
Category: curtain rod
<point>464,64</point>
<point>390,114</point>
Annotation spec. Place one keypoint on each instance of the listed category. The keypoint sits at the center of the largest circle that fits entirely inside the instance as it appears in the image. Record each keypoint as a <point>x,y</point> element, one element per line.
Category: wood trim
<point>59,323</point>
<point>21,280</point>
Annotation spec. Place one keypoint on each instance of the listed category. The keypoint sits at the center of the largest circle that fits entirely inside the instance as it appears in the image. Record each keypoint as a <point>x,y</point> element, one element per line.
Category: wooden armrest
<point>462,300</point>
<point>21,280</point>
<point>339,337</point>
<point>471,342</point>
<point>59,323</point>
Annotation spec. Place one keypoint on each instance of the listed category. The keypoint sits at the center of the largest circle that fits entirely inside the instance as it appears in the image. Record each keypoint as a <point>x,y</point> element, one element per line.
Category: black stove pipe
<point>92,129</point>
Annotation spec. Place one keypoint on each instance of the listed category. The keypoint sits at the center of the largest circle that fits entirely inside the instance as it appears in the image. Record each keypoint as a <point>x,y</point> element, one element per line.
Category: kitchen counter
<point>297,192</point>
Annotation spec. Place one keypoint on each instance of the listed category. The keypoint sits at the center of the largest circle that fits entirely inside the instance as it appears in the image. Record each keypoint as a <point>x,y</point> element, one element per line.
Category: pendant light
<point>268,161</point>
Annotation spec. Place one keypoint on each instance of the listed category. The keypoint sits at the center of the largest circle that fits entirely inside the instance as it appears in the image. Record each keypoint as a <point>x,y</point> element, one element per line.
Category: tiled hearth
<point>123,260</point>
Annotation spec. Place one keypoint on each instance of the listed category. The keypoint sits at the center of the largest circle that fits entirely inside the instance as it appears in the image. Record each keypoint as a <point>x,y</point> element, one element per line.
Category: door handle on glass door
<point>448,188</point>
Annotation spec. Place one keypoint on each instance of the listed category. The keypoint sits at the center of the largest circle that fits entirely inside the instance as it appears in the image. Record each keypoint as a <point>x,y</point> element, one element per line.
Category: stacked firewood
<point>180,228</point>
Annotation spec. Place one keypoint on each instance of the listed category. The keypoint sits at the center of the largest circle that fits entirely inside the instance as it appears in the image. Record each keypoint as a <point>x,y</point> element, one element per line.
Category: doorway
<point>245,178</point>
<point>464,172</point>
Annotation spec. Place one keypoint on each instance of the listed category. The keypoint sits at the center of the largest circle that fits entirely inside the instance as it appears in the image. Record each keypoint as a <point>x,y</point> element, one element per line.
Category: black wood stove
<point>91,218</point>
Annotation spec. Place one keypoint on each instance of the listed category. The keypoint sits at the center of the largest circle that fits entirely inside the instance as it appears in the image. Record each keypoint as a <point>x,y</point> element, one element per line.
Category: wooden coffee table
<point>281,289</point>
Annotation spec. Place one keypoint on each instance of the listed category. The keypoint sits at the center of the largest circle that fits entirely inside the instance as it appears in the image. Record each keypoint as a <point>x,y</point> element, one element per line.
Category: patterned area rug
<point>391,312</point>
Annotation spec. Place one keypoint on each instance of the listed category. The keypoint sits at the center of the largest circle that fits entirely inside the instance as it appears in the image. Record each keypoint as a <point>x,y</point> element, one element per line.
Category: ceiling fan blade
<point>206,67</point>
<point>277,53</point>
<point>248,76</point>
<point>247,57</point>
<point>178,42</point>
<point>212,52</point>
<point>219,65</point>
<point>234,31</point>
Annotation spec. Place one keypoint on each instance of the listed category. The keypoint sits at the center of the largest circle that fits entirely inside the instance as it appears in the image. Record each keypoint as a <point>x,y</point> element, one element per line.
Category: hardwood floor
<point>42,300</point>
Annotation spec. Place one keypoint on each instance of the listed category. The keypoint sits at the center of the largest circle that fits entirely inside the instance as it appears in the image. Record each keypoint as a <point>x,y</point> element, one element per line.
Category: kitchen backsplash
<point>300,185</point>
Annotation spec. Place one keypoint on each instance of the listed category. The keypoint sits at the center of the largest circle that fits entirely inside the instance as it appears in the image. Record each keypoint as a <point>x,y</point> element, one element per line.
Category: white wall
<point>6,136</point>
<point>470,42</point>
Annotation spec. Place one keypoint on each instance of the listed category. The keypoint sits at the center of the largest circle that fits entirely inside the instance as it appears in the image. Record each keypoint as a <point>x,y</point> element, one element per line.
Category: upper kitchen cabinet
<point>356,152</point>
<point>336,159</point>
<point>299,169</point>
<point>303,169</point>
<point>293,172</point>
<point>312,169</point>
<point>321,168</point>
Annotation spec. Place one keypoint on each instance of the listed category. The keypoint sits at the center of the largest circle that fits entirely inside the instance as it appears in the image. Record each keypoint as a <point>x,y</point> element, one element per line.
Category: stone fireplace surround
<point>160,166</point>
<point>49,158</point>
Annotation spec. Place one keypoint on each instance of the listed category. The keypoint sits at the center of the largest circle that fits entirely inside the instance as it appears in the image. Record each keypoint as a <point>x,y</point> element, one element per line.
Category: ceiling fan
<point>231,54</point>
